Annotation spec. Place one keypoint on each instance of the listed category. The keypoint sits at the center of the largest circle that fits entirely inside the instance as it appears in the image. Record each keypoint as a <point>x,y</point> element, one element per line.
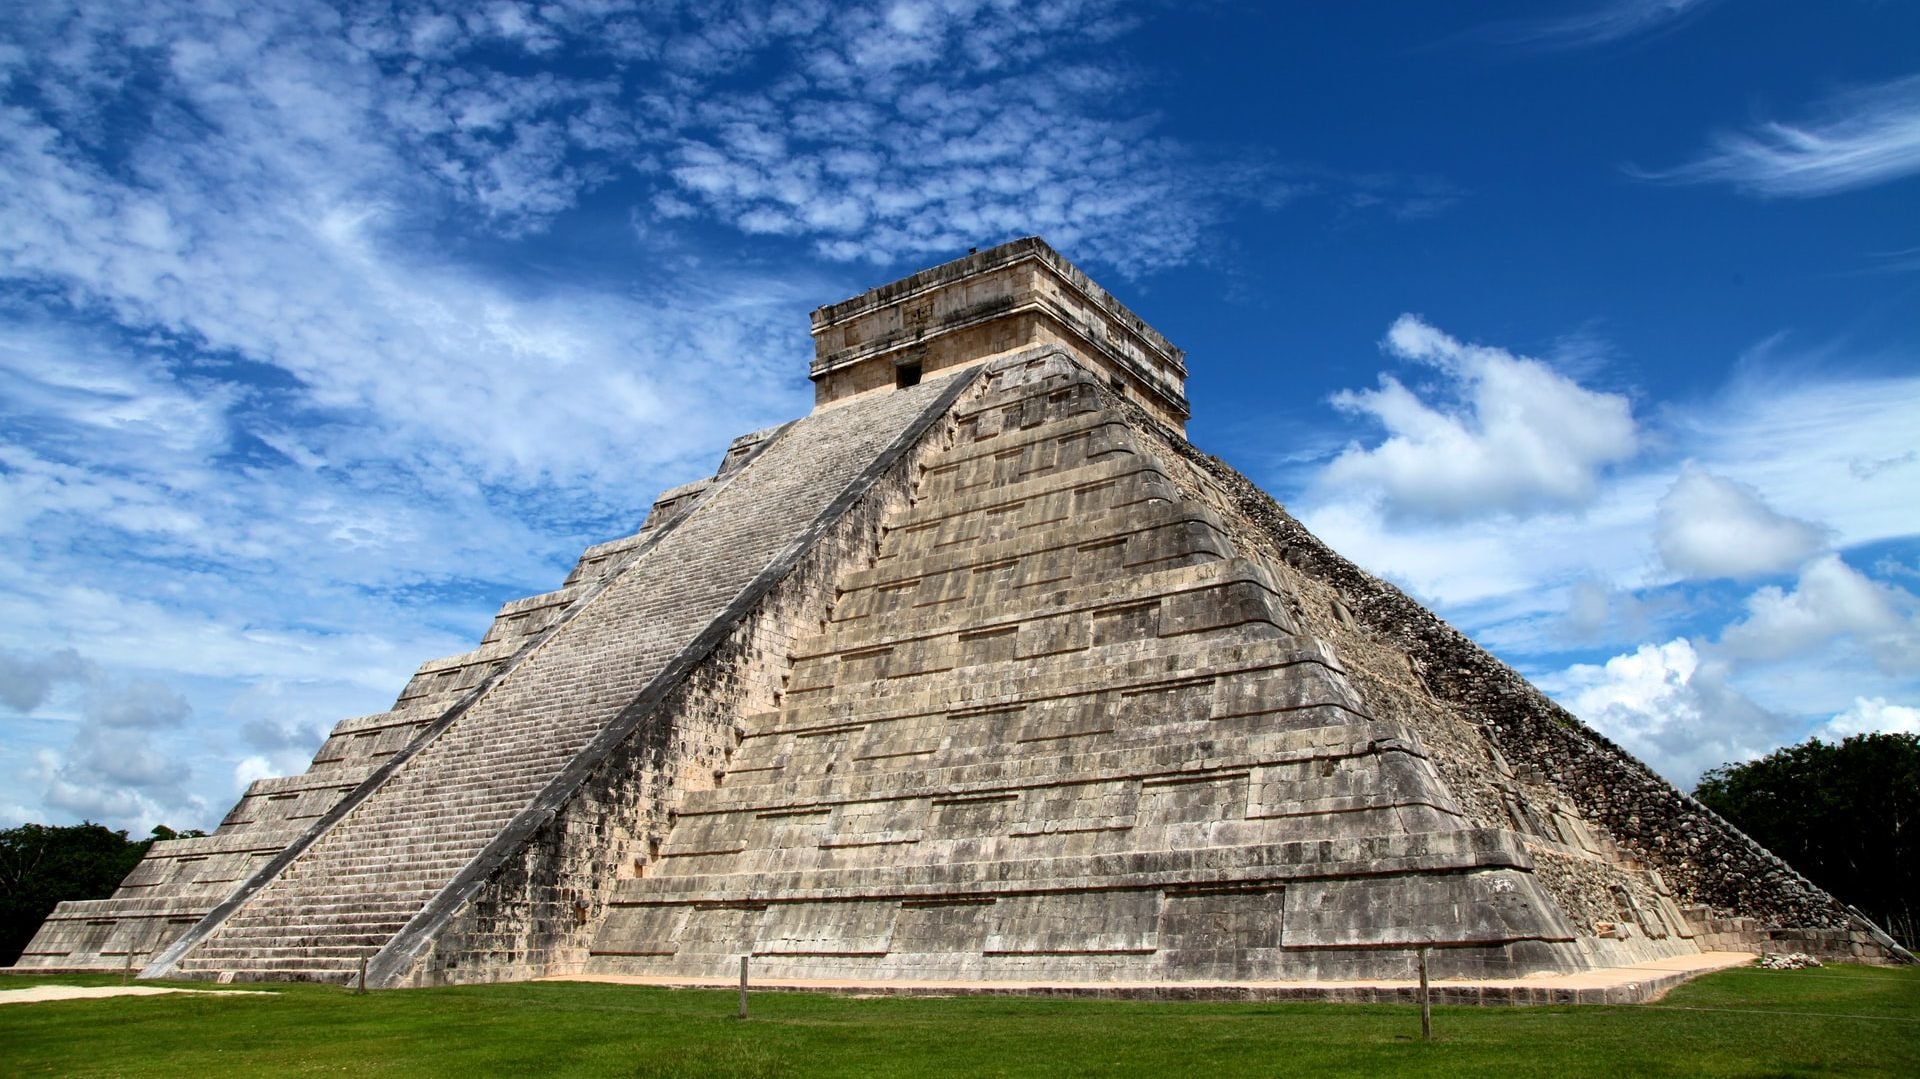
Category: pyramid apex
<point>984,305</point>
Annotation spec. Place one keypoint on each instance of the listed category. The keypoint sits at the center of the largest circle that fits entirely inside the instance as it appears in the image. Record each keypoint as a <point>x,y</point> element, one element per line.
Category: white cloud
<point>251,769</point>
<point>113,765</point>
<point>1669,707</point>
<point>1868,715</point>
<point>1712,527</point>
<point>1589,608</point>
<point>1495,561</point>
<point>1815,441</point>
<point>1730,487</point>
<point>1597,613</point>
<point>27,680</point>
<point>1866,136</point>
<point>1505,434</point>
<point>1830,600</point>
<point>1795,441</point>
<point>1614,20</point>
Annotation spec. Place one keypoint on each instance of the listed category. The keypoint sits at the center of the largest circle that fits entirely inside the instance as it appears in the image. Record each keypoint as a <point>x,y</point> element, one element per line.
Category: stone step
<point>1067,762</point>
<point>1062,426</point>
<point>997,871</point>
<point>304,968</point>
<point>1121,543</point>
<point>336,927</point>
<point>1263,787</point>
<point>981,612</point>
<point>1129,667</point>
<point>937,526</point>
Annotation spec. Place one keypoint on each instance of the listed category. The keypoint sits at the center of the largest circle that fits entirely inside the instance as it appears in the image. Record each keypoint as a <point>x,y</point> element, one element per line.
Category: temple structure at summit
<point>979,672</point>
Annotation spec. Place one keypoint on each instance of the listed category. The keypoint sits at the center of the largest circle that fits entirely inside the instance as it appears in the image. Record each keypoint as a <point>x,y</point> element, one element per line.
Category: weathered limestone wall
<point>1512,755</point>
<point>1061,729</point>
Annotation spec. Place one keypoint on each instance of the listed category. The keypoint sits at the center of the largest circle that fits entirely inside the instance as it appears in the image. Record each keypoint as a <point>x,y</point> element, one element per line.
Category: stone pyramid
<point>980,671</point>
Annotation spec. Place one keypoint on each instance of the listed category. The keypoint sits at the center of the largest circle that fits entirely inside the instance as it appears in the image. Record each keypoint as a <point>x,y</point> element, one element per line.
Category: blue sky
<point>325,329</point>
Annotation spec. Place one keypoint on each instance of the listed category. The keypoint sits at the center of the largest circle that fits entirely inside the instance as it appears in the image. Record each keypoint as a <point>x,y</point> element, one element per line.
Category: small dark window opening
<point>1119,384</point>
<point>906,374</point>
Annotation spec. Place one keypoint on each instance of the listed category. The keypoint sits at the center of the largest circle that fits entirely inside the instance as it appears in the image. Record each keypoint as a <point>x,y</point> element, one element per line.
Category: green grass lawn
<point>1832,1021</point>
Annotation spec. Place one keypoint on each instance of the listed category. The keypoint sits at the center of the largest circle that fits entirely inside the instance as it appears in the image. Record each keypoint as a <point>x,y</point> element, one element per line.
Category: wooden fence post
<point>1426,1002</point>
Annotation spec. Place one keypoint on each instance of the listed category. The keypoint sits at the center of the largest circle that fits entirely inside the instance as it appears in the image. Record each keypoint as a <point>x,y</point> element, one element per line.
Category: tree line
<point>41,865</point>
<point>1845,814</point>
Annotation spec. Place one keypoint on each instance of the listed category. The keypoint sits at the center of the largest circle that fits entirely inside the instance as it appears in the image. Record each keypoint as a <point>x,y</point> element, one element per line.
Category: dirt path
<point>38,993</point>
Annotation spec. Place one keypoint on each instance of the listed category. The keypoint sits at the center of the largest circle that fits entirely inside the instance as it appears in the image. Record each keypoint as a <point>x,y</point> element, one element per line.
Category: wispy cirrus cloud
<point>296,318</point>
<point>1861,137</point>
<point>1604,24</point>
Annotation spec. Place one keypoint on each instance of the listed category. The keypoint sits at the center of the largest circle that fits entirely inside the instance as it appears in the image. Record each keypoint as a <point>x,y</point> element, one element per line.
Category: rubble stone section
<point>1062,729</point>
<point>363,877</point>
<point>1632,860</point>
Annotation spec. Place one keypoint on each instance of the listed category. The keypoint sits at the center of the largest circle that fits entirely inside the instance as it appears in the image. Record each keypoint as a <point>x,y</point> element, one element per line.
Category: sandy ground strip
<point>35,994</point>
<point>1644,981</point>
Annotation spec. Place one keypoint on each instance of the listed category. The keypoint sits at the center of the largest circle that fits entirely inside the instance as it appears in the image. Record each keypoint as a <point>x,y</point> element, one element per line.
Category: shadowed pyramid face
<point>978,672</point>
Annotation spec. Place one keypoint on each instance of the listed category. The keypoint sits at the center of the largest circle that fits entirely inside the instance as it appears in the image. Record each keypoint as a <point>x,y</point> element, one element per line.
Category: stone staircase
<point>180,881</point>
<point>407,839</point>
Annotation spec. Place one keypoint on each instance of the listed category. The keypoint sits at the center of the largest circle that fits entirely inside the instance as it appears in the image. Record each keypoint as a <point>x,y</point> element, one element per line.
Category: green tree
<point>1846,815</point>
<point>41,865</point>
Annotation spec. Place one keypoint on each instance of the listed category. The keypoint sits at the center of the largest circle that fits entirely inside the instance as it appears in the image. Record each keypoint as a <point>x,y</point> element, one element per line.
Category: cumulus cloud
<point>1831,600</point>
<point>1503,433</point>
<point>27,680</point>
<point>112,767</point>
<point>1865,136</point>
<point>1670,707</point>
<point>282,730</point>
<point>1869,715</point>
<point>1593,573</point>
<point>252,769</point>
<point>1713,527</point>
